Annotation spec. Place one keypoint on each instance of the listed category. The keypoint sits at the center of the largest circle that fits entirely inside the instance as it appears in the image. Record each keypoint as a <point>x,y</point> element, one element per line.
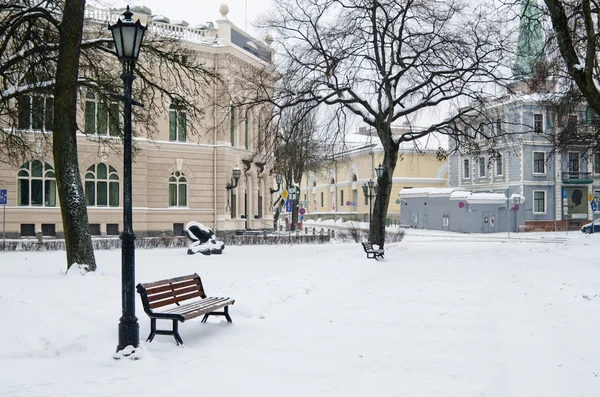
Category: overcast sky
<point>199,11</point>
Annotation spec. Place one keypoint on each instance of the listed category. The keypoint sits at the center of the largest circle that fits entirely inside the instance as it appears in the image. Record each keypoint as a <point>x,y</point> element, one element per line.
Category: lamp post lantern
<point>368,191</point>
<point>127,36</point>
<point>379,171</point>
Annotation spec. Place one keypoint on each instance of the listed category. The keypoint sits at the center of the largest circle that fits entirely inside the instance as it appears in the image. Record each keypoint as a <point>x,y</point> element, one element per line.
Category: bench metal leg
<point>174,331</point>
<point>223,313</point>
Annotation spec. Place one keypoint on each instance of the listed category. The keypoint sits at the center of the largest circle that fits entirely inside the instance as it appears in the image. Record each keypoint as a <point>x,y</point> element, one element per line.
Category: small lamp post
<point>293,191</point>
<point>278,180</point>
<point>127,36</point>
<point>368,191</point>
<point>236,173</point>
<point>379,171</point>
<point>232,184</point>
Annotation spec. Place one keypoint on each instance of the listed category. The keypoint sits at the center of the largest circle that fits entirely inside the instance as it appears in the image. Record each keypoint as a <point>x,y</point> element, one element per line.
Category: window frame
<point>533,169</point>
<point>178,183</point>
<point>177,123</point>
<point>466,164</point>
<point>101,115</point>
<point>499,165</point>
<point>102,186</point>
<point>26,118</point>
<point>48,192</point>
<point>535,201</point>
<point>482,167</point>
<point>538,125</point>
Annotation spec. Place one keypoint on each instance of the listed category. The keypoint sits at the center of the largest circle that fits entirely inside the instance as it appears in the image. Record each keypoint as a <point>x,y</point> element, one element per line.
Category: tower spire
<point>530,47</point>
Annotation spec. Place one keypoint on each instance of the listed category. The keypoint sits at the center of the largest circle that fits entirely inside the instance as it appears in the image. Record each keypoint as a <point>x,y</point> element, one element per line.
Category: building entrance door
<point>489,221</point>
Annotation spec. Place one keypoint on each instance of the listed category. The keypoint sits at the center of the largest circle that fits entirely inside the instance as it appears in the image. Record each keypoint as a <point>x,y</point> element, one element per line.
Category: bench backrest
<point>368,245</point>
<point>171,291</point>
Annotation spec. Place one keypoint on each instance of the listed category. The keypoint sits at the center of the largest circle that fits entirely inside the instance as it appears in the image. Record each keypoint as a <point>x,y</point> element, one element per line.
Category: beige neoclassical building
<point>336,192</point>
<point>176,177</point>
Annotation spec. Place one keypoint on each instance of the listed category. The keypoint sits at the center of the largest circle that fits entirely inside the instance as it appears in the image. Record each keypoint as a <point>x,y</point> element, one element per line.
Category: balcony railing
<point>576,177</point>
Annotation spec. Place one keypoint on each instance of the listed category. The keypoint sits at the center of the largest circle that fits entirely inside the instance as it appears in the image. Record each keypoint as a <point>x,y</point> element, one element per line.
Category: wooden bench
<point>372,253</point>
<point>179,299</point>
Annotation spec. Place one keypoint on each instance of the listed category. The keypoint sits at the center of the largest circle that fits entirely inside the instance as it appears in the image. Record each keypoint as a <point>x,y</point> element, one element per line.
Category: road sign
<point>301,217</point>
<point>289,204</point>
<point>516,207</point>
<point>348,203</point>
<point>590,197</point>
<point>565,194</point>
<point>594,206</point>
<point>3,197</point>
<point>302,211</point>
<point>284,194</point>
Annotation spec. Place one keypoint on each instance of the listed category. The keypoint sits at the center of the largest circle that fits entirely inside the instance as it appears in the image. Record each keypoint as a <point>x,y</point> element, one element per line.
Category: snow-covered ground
<point>444,314</point>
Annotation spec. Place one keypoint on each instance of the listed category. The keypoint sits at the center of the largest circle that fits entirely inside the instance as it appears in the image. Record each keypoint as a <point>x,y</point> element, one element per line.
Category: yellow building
<point>176,177</point>
<point>336,192</point>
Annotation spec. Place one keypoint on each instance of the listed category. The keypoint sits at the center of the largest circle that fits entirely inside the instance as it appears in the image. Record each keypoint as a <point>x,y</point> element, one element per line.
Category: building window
<point>177,123</point>
<point>481,132</point>
<point>538,123</point>
<point>36,184</point>
<point>233,204</point>
<point>27,230</point>
<point>482,167</point>
<point>101,186</point>
<point>48,229</point>
<point>539,162</point>
<point>35,112</point>
<point>498,127</point>
<point>573,162</point>
<point>597,163</point>
<point>539,202</point>
<point>341,198</point>
<point>466,169</point>
<point>499,165</point>
<point>94,229</point>
<point>112,229</point>
<point>100,117</point>
<point>177,190</point>
<point>260,199</point>
<point>247,130</point>
<point>232,124</point>
<point>322,200</point>
<point>178,229</point>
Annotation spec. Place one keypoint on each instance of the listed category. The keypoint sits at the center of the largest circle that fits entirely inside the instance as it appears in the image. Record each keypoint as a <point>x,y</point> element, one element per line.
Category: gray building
<point>459,210</point>
<point>514,145</point>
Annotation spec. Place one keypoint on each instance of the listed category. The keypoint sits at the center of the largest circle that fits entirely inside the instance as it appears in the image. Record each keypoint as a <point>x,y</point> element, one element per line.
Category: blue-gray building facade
<point>513,149</point>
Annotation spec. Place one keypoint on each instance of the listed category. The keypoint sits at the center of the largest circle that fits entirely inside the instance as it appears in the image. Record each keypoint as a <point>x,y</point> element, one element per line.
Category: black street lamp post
<point>127,36</point>
<point>368,191</point>
<point>379,171</point>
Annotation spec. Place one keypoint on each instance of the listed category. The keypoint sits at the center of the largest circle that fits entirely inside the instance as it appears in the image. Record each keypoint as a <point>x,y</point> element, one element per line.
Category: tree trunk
<point>384,189</point>
<point>72,199</point>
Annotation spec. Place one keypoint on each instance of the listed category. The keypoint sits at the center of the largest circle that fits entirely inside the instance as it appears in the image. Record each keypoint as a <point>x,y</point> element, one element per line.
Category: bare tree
<point>302,146</point>
<point>47,49</point>
<point>576,30</point>
<point>384,61</point>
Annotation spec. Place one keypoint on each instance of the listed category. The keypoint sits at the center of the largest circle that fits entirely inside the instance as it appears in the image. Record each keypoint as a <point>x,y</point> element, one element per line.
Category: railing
<point>100,14</point>
<point>160,28</point>
<point>181,32</point>
<point>576,175</point>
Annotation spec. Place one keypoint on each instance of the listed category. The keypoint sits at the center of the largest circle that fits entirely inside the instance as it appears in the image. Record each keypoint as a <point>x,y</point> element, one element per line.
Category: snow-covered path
<point>438,317</point>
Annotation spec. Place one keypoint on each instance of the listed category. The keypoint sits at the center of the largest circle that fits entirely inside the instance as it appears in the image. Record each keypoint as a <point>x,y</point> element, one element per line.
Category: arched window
<point>177,190</point>
<point>101,186</point>
<point>37,184</point>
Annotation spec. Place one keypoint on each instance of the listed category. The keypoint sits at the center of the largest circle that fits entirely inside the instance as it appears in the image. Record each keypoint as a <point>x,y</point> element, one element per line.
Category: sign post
<point>3,199</point>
